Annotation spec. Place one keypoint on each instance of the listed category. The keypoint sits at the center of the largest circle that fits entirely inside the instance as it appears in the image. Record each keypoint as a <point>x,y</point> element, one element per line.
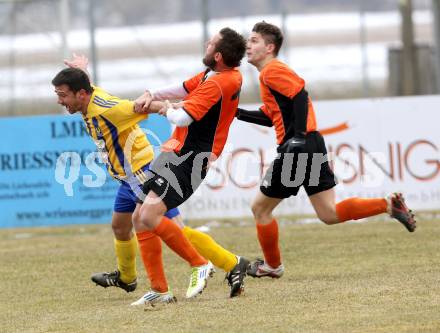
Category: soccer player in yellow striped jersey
<point>113,125</point>
<point>109,121</point>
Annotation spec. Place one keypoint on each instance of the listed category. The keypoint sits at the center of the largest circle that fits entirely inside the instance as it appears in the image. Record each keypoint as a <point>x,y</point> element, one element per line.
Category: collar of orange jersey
<point>271,61</point>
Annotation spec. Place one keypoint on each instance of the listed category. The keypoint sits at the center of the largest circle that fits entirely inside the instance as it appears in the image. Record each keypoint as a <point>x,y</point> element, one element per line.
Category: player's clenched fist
<point>142,103</point>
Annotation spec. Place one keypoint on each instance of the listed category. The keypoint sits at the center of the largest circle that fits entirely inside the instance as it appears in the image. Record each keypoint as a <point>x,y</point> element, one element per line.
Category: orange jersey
<point>212,102</point>
<point>278,87</point>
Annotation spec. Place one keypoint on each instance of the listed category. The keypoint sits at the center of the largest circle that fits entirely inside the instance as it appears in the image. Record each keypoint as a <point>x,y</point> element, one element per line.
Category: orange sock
<point>358,208</point>
<point>268,237</point>
<point>150,247</point>
<point>173,236</point>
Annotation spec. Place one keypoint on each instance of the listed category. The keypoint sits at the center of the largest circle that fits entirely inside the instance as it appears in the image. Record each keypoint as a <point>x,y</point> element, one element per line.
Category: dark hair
<point>270,33</point>
<point>232,47</point>
<point>75,78</point>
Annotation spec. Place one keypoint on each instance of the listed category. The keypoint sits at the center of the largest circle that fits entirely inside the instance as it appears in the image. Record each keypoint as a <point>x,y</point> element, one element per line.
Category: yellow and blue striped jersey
<point>113,126</point>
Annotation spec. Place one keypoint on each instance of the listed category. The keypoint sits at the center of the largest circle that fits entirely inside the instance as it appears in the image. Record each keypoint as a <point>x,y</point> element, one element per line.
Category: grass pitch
<point>369,277</point>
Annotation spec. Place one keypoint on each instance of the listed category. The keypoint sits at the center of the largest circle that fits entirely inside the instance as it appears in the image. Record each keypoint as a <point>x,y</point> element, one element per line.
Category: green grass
<point>370,277</point>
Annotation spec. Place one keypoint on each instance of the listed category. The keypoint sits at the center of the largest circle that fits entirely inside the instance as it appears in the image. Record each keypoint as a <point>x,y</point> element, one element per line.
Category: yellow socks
<point>126,259</point>
<point>212,251</point>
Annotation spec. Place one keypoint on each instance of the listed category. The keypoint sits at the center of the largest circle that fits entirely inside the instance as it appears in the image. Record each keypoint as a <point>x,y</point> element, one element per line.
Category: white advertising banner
<point>376,146</point>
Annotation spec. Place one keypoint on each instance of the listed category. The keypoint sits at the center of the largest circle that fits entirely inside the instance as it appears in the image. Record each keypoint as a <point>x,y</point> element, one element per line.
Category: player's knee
<point>328,219</point>
<point>260,212</point>
<point>148,217</point>
<point>144,217</point>
<point>326,213</point>
<point>256,209</point>
<point>136,216</point>
<point>116,228</point>
<point>121,231</point>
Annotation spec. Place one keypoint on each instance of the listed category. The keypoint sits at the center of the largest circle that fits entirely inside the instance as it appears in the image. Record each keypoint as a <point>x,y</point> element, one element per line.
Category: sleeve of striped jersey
<point>123,116</point>
<point>202,100</point>
<point>192,83</point>
<point>285,82</point>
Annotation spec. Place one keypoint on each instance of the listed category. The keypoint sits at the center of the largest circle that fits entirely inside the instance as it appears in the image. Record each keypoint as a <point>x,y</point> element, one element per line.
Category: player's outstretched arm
<point>173,111</point>
<point>255,117</point>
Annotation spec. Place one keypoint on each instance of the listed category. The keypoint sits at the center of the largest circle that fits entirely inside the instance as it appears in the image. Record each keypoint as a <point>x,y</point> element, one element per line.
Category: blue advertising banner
<point>32,193</point>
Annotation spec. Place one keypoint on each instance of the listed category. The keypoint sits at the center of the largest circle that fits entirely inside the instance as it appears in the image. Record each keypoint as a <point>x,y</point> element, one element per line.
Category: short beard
<point>209,62</point>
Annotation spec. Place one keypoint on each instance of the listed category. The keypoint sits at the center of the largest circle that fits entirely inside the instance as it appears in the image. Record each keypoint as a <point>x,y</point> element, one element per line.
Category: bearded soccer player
<point>112,124</point>
<point>202,120</point>
<point>289,110</point>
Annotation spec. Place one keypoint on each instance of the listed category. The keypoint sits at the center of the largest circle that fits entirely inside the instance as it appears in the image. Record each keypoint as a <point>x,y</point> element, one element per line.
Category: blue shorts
<point>126,199</point>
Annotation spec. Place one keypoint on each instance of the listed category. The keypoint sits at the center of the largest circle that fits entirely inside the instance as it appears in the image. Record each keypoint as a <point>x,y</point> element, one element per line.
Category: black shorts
<point>175,177</point>
<point>288,172</point>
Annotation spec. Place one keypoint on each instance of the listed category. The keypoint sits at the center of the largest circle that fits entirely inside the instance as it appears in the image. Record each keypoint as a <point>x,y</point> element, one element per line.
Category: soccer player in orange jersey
<point>289,110</point>
<point>202,120</point>
<point>112,124</point>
